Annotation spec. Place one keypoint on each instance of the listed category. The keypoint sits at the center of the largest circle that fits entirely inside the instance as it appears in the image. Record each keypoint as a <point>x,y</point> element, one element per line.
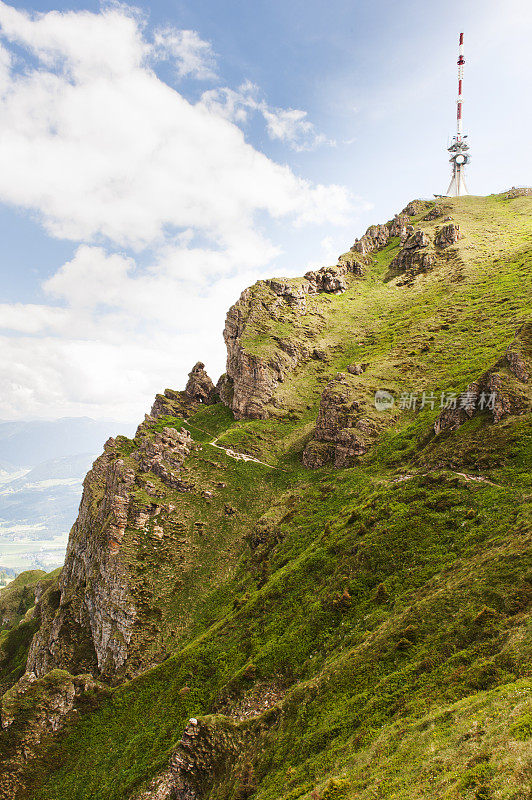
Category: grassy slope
<point>16,603</point>
<point>394,618</point>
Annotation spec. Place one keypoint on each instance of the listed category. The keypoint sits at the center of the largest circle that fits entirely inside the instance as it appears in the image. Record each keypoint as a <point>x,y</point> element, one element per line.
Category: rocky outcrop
<point>447,236</point>
<point>401,227</point>
<point>375,237</point>
<point>199,390</point>
<point>250,381</point>
<point>434,213</point>
<point>33,711</point>
<point>416,207</point>
<point>523,191</point>
<point>199,386</point>
<point>162,452</point>
<point>343,433</point>
<point>330,280</point>
<point>500,392</point>
<point>293,293</point>
<point>415,257</point>
<point>91,621</point>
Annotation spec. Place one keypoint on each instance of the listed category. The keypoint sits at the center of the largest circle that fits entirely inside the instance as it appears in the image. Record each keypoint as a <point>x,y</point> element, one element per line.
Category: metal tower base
<point>457,187</point>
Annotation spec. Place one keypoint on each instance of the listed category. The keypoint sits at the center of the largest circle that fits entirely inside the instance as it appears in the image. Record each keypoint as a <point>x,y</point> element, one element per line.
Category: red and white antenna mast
<point>459,147</point>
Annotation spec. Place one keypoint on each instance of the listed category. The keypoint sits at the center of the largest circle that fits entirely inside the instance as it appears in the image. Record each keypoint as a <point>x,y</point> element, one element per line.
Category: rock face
<point>500,392</point>
<point>342,434</point>
<point>172,404</point>
<point>163,453</point>
<point>53,701</point>
<point>250,379</point>
<point>434,213</point>
<point>91,621</point>
<point>401,227</point>
<point>330,280</point>
<point>416,207</point>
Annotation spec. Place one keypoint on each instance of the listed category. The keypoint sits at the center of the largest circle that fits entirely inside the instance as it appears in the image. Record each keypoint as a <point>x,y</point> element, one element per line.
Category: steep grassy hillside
<point>18,624</point>
<point>348,615</point>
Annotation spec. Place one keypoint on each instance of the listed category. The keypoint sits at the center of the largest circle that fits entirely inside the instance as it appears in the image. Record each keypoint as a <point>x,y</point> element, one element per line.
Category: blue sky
<point>156,160</point>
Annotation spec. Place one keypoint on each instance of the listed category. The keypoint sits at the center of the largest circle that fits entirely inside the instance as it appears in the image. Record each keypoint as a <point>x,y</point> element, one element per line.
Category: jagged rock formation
<point>163,453</point>
<point>500,392</point>
<point>342,432</point>
<point>199,386</point>
<point>399,224</point>
<point>416,207</point>
<point>171,404</point>
<point>375,237</point>
<point>33,710</point>
<point>250,379</point>
<point>434,213</point>
<point>208,750</point>
<point>329,279</point>
<point>199,390</point>
<point>447,236</point>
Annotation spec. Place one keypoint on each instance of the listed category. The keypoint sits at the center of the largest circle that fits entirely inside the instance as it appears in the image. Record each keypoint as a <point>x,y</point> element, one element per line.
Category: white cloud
<point>30,317</point>
<point>108,155</point>
<point>193,56</point>
<point>94,142</point>
<point>289,125</point>
<point>292,126</point>
<point>92,278</point>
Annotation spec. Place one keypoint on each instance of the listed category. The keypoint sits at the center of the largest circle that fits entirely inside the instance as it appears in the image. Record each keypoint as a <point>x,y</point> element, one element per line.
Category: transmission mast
<point>459,147</point>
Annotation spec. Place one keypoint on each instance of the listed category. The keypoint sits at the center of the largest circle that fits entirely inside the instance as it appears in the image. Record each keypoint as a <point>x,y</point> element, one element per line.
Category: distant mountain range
<point>42,466</point>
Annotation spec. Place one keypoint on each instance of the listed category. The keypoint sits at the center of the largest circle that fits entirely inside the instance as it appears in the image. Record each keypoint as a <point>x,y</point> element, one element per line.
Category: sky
<point>156,159</point>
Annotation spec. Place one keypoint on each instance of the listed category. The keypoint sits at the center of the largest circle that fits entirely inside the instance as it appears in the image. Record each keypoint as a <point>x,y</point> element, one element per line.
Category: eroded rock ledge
<point>91,622</point>
<point>420,249</point>
<point>210,750</point>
